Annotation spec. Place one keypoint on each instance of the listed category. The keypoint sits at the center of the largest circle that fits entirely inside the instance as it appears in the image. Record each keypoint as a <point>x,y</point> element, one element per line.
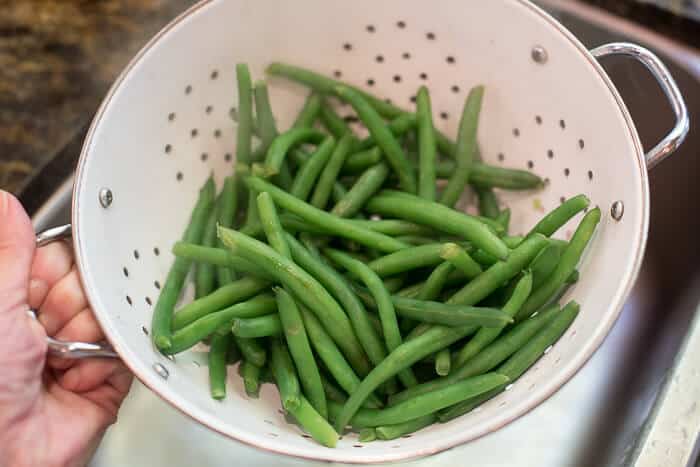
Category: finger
<point>65,300</point>
<point>51,263</point>
<point>17,244</point>
<point>87,375</point>
<point>82,327</point>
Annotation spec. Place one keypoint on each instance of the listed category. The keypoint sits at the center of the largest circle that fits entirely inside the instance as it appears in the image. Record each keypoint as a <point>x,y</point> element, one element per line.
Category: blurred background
<point>58,59</point>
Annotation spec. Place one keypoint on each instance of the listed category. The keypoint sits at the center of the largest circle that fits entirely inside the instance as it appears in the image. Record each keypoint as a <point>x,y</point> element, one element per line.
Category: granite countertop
<point>57,60</point>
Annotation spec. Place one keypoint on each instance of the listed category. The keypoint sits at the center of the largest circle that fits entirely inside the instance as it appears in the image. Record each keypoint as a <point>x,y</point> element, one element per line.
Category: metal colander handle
<point>659,71</point>
<point>69,349</point>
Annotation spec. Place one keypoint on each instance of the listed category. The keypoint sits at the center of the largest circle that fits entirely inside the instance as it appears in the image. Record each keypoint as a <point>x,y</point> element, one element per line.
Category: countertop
<point>57,60</point>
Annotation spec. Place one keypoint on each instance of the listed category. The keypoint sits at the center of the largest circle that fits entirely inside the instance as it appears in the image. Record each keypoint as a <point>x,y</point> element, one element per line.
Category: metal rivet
<point>509,387</point>
<point>106,197</point>
<point>161,370</point>
<point>617,210</point>
<point>539,54</point>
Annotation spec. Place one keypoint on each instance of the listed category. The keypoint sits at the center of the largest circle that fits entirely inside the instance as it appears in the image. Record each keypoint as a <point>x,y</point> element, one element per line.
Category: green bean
<point>309,113</point>
<point>416,240</point>
<point>487,335</point>
<point>265,117</point>
<point>424,404</point>
<point>521,360</point>
<point>495,276</point>
<point>544,263</point>
<point>411,351</point>
<point>189,335</point>
<point>433,285</point>
<point>408,259</point>
<point>284,142</point>
<point>364,188</point>
<point>367,435</point>
<point>339,288</point>
<point>387,432</point>
<point>503,218</point>
<point>567,264</point>
<point>271,225</point>
<point>426,145</point>
<point>217,365</point>
<point>204,273</point>
<point>331,356</point>
<point>333,393</point>
<point>488,203</point>
<point>324,187</point>
<point>382,135</point>
<point>217,256</point>
<point>394,227</point>
<point>335,124</point>
<point>489,357</point>
<point>333,224</point>
<point>227,213</point>
<point>439,217</point>
<point>443,362</point>
<point>251,378</point>
<point>252,351</point>
<point>244,130</point>
<point>360,161</point>
<point>251,215</point>
<point>488,176</point>
<point>300,349</point>
<point>285,375</point>
<point>306,176</point>
<point>385,307</point>
<point>161,331</point>
<point>466,147</point>
<point>460,259</point>
<point>560,215</point>
<point>314,423</point>
<point>262,326</point>
<point>399,126</point>
<point>304,287</point>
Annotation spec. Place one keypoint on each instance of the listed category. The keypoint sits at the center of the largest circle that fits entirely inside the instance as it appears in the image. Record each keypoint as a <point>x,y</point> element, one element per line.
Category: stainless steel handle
<point>659,71</point>
<point>67,349</point>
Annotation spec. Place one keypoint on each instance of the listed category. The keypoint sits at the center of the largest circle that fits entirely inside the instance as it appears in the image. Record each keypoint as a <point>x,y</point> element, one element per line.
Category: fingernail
<point>4,202</point>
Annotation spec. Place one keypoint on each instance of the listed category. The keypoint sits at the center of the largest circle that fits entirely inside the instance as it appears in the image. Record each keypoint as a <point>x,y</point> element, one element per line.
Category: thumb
<point>22,339</point>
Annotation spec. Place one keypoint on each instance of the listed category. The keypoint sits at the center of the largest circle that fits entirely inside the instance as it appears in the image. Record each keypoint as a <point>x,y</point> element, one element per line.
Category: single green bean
<point>501,272</point>
<point>387,432</point>
<point>324,187</point>
<point>443,362</point>
<point>285,375</point>
<point>487,335</point>
<point>300,349</point>
<point>567,264</point>
<point>407,259</point>
<point>489,176</point>
<point>489,357</point>
<point>307,174</point>
<point>271,225</point>
<point>252,351</point>
<point>382,135</point>
<point>244,131</point>
<point>227,214</point>
<point>262,326</point>
<point>364,188</point>
<point>282,144</point>
<point>205,273</point>
<point>394,227</point>
<point>314,423</point>
<point>385,307</point>
<point>399,126</point>
<point>488,203</point>
<point>466,147</point>
<point>217,256</point>
<point>416,240</point>
<point>217,365</point>
<point>360,161</point>
<point>408,353</point>
<point>333,224</point>
<point>460,259</point>
<point>331,356</point>
<point>161,330</point>
<point>335,124</point>
<point>251,378</point>
<point>189,335</point>
<point>251,215</point>
<point>304,287</point>
<point>544,263</point>
<point>433,285</point>
<point>340,289</point>
<point>265,116</point>
<point>427,148</point>
<point>439,217</point>
<point>516,365</point>
<point>560,215</point>
<point>309,112</point>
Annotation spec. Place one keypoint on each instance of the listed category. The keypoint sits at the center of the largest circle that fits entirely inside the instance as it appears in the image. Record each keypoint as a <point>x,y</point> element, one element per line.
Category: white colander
<point>164,127</point>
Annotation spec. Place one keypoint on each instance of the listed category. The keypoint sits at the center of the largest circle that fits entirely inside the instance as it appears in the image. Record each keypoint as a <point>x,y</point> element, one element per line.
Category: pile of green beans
<point>348,279</point>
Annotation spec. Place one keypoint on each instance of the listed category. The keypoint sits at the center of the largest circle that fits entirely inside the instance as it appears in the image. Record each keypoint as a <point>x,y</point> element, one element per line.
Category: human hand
<point>52,412</point>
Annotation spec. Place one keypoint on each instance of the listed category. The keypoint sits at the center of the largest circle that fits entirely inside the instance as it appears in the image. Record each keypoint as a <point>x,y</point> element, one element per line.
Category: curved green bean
<point>217,365</point>
<point>244,130</point>
<point>466,147</point>
<point>427,147</point>
<point>324,187</point>
<point>161,329</point>
<point>460,259</point>
<point>285,375</point>
<point>364,188</point>
<point>306,176</point>
<point>382,135</point>
<point>284,142</point>
<point>314,423</point>
<point>560,215</point>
